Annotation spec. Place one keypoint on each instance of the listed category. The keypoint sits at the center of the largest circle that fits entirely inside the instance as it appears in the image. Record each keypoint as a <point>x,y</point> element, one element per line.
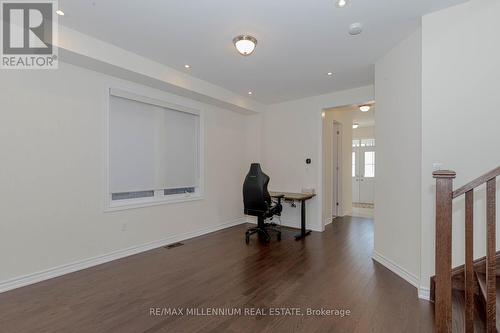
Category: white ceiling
<point>364,119</point>
<point>299,41</point>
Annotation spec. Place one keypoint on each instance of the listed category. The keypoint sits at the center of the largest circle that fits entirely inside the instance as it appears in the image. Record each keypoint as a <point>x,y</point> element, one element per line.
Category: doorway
<point>348,161</point>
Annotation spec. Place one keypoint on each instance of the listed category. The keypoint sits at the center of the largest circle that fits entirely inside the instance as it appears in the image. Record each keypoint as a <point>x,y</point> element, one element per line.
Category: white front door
<point>367,179</point>
<point>355,174</point>
<point>363,171</point>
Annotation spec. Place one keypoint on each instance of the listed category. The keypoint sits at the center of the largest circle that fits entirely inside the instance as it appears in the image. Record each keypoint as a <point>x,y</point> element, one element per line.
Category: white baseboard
<point>50,273</point>
<point>395,268</point>
<point>424,293</point>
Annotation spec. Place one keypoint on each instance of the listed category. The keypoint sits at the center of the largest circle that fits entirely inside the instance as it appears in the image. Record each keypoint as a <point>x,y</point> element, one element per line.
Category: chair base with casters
<point>262,229</point>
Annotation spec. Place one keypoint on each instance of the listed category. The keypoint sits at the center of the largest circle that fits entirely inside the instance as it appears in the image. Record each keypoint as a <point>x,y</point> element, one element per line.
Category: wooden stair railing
<point>443,279</point>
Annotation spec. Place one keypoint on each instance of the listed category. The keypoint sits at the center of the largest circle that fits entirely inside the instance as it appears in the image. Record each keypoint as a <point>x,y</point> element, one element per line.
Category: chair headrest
<point>254,169</point>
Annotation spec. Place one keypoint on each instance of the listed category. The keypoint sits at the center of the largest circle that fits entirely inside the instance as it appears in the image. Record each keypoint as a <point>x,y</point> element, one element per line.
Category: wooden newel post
<point>444,199</point>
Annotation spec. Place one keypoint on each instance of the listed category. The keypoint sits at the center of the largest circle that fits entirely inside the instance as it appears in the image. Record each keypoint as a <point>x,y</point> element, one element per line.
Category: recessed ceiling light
<point>250,93</point>
<point>355,125</point>
<point>341,3</point>
<point>355,29</point>
<point>365,108</point>
<point>186,66</point>
<point>329,73</point>
<point>245,44</point>
<point>59,12</point>
<point>323,114</point>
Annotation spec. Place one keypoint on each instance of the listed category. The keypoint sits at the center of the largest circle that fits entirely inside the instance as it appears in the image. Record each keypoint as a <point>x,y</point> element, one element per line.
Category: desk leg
<point>303,231</point>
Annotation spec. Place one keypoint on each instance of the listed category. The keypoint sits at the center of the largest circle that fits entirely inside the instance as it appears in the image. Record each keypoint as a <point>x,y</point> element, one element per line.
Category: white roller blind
<point>151,147</point>
<point>179,165</point>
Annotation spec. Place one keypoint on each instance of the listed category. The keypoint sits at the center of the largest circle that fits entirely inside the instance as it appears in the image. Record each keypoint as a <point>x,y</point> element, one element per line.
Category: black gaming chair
<point>258,203</point>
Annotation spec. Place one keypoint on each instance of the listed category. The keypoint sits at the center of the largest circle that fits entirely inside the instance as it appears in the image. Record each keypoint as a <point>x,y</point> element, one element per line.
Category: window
<point>369,164</point>
<point>154,151</point>
<point>367,142</point>
<point>363,143</point>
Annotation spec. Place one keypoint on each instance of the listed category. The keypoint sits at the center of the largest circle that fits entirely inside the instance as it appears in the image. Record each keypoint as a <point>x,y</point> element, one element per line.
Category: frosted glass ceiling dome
<point>245,44</point>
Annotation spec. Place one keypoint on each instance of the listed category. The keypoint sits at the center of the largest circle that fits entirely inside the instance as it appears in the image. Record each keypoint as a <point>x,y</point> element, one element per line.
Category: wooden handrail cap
<point>444,174</point>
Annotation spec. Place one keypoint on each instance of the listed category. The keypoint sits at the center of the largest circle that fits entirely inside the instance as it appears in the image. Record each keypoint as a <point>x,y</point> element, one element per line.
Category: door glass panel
<point>353,164</point>
<point>367,142</point>
<point>369,164</point>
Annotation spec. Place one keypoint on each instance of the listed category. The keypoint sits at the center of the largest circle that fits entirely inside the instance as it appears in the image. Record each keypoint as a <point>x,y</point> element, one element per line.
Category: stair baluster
<point>491,293</point>
<point>469,261</point>
<point>443,278</point>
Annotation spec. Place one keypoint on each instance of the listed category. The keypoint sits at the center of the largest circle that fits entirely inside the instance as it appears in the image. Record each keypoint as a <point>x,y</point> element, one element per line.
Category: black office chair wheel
<point>279,236</point>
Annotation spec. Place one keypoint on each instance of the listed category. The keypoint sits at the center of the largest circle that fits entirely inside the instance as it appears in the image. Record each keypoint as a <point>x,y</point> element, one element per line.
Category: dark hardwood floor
<point>331,270</point>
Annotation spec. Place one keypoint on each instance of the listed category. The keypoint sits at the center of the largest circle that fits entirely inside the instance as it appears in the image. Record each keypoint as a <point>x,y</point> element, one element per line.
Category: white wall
<point>52,144</point>
<point>292,132</point>
<point>364,132</point>
<point>461,113</point>
<point>398,140</point>
<point>253,137</point>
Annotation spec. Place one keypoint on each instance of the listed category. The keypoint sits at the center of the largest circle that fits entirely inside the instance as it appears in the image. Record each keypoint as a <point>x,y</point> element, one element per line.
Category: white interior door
<point>336,168</point>
<point>363,171</point>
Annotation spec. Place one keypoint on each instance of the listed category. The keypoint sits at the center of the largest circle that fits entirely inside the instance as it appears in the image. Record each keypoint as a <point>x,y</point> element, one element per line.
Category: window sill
<point>135,203</point>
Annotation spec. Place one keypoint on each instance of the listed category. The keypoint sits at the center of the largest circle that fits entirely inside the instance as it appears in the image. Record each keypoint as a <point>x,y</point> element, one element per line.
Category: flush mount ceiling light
<point>355,29</point>
<point>365,108</point>
<point>355,125</point>
<point>250,93</point>
<point>341,3</point>
<point>186,66</point>
<point>329,73</point>
<point>59,12</point>
<point>245,44</point>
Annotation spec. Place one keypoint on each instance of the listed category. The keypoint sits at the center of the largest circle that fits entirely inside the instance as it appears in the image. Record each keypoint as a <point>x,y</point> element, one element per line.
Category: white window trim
<point>159,198</point>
